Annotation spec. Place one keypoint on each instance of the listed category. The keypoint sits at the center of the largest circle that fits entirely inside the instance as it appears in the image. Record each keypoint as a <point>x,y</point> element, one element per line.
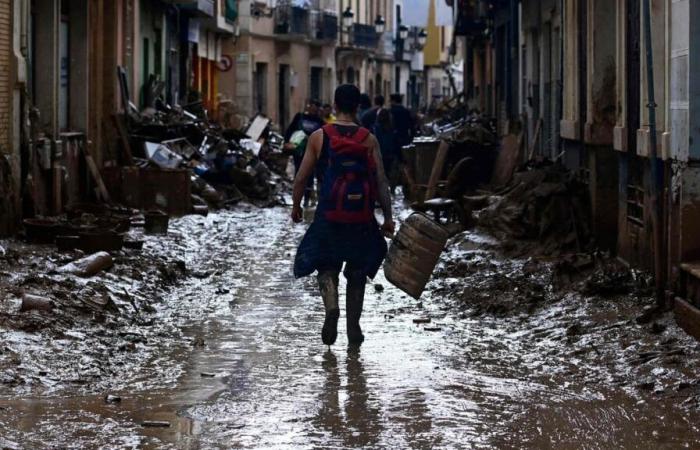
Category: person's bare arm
<point>313,150</point>
<point>383,191</point>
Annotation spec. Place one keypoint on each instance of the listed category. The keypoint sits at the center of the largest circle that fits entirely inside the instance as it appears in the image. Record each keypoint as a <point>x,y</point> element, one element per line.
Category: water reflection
<point>416,420</point>
<point>349,413</point>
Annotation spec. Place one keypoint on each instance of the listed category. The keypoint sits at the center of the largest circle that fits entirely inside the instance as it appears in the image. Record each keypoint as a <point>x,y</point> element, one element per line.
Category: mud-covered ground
<point>211,343</point>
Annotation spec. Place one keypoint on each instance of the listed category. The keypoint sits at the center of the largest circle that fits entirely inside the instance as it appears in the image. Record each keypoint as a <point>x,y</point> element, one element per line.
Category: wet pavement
<point>234,360</point>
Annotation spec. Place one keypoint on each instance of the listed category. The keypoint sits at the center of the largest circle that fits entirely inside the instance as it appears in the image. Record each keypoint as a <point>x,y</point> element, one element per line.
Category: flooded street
<point>236,361</point>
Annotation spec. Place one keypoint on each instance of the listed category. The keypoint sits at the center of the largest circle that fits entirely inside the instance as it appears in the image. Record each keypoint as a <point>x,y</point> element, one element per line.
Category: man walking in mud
<point>345,230</point>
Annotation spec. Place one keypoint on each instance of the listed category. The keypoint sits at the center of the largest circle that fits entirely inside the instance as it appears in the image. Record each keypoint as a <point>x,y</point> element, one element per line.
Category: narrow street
<point>241,365</point>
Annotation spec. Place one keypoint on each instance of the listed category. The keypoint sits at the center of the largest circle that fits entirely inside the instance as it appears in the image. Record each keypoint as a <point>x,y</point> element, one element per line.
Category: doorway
<point>283,89</point>
<point>316,88</point>
<point>260,88</point>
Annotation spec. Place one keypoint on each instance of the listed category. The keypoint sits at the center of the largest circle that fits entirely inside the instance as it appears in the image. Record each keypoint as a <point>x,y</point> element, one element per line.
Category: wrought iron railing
<point>324,26</point>
<point>290,19</point>
<point>315,21</point>
<point>364,36</point>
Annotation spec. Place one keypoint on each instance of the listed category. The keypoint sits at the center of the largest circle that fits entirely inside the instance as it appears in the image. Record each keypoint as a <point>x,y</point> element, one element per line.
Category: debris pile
<point>469,161</point>
<point>87,227</point>
<point>190,160</point>
<point>543,204</point>
<point>229,165</point>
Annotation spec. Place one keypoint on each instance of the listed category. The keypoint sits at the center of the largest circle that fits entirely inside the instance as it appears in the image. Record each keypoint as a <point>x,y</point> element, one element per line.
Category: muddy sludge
<point>565,374</point>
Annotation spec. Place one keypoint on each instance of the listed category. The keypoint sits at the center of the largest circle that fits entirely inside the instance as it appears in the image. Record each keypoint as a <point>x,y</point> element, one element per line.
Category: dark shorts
<point>327,246</point>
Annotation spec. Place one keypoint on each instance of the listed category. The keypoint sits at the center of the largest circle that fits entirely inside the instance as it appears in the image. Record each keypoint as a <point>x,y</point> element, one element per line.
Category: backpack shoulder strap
<point>360,135</point>
<point>330,130</point>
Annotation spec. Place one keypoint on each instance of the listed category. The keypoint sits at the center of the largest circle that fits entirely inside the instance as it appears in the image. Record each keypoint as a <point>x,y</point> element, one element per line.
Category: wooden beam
<point>124,138</point>
<point>95,172</point>
<point>687,317</point>
<point>438,166</point>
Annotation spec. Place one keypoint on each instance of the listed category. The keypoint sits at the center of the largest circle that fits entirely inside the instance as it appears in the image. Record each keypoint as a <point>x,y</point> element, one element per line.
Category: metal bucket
<point>414,252</point>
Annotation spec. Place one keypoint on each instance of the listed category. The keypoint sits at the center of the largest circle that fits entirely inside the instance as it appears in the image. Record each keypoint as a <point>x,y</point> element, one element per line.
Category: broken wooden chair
<point>445,206</point>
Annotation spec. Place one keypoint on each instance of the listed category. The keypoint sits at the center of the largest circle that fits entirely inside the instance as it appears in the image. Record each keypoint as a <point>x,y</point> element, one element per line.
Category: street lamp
<point>379,24</point>
<point>348,17</point>
<point>403,32</point>
<point>422,38</point>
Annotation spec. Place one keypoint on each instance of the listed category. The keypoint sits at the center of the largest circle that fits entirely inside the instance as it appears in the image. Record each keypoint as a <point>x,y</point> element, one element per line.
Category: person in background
<point>365,106</point>
<point>403,120</point>
<point>345,230</point>
<point>388,143</point>
<point>327,113</point>
<point>370,116</point>
<point>303,125</point>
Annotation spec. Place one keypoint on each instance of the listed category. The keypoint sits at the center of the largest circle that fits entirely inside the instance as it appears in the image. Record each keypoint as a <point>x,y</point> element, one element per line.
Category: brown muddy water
<point>235,360</point>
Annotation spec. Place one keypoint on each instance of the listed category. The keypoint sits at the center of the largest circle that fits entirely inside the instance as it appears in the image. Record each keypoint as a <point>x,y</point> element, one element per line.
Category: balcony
<point>324,26</point>
<point>472,17</point>
<point>364,36</point>
<point>293,20</point>
<point>311,23</point>
<point>198,8</point>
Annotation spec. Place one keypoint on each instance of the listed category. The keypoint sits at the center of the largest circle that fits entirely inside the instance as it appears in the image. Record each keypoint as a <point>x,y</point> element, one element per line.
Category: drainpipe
<point>654,184</point>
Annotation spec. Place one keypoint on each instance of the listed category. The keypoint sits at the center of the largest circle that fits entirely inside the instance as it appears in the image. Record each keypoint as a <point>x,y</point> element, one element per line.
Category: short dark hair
<point>396,98</point>
<point>384,120</point>
<point>327,105</point>
<point>347,98</point>
<point>379,100</point>
<point>315,102</point>
<point>365,101</point>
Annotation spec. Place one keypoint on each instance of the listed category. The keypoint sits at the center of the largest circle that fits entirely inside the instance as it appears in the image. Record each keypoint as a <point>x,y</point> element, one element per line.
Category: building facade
<point>438,59</point>
<point>283,57</point>
<point>573,76</point>
<point>11,79</point>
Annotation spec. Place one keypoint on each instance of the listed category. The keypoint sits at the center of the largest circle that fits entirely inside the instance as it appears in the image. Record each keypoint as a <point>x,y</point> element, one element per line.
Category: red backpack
<point>349,188</point>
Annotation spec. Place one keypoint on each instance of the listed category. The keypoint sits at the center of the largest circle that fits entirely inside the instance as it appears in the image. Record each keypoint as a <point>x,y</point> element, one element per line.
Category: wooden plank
<point>438,166</point>
<point>507,159</point>
<point>124,138</point>
<point>533,144</point>
<point>687,317</point>
<point>95,172</point>
<point>692,268</point>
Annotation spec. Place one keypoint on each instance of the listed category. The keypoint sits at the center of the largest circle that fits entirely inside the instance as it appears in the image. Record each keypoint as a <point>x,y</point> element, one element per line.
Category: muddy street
<point>234,360</point>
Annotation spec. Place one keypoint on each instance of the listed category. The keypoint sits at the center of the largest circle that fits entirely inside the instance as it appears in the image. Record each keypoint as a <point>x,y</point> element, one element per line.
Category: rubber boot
<point>328,284</point>
<point>355,297</point>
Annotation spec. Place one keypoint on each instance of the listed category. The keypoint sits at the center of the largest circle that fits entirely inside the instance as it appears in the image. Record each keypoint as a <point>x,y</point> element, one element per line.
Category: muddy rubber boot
<point>355,298</point>
<point>328,285</point>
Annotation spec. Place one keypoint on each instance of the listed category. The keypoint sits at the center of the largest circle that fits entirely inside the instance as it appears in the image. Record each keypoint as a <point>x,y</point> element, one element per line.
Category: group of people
<point>393,126</point>
<point>350,155</point>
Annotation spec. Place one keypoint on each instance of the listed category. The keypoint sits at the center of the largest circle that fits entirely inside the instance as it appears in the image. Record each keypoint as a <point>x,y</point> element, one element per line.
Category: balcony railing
<point>324,26</point>
<point>201,8</point>
<point>472,17</point>
<point>364,36</point>
<point>291,20</point>
<point>306,22</point>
